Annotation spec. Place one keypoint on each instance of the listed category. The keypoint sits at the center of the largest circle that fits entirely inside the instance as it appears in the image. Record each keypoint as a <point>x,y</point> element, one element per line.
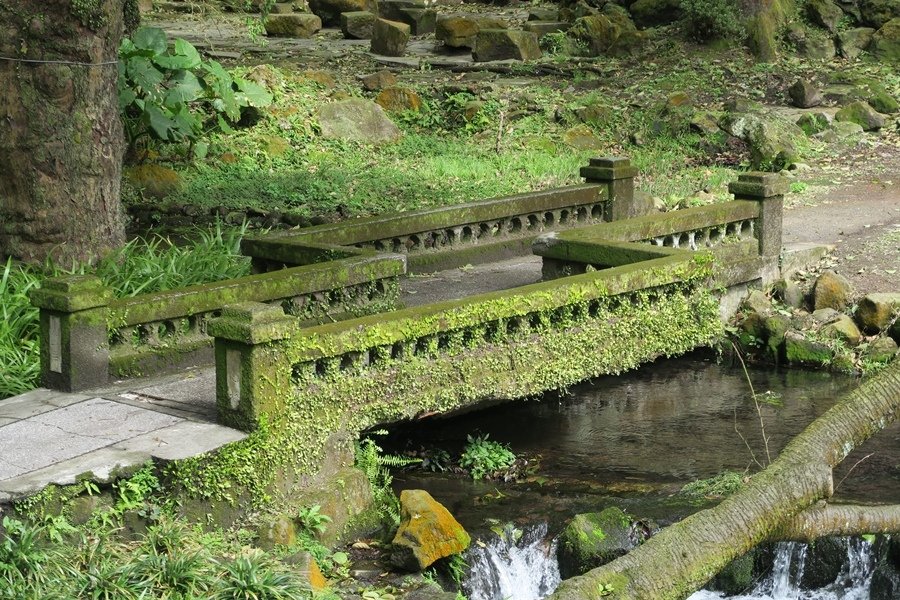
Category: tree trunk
<point>61,139</point>
<point>773,505</point>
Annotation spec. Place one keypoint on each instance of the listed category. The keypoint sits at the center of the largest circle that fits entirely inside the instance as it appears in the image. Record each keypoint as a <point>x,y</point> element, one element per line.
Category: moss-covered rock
<point>804,94</point>
<point>737,577</point>
<point>297,25</point>
<point>831,291</point>
<point>862,114</point>
<point>844,329</point>
<point>427,533</point>
<point>852,42</point>
<point>876,311</point>
<point>358,24</point>
<point>878,12</point>
<point>358,120</point>
<point>399,99</point>
<point>602,36</point>
<point>788,292</point>
<point>824,13</point>
<point>886,42</point>
<point>799,350</point>
<point>649,13</point>
<point>884,103</point>
<point>459,31</point>
<point>389,38</point>
<point>772,138</point>
<point>594,539</point>
<point>881,350</point>
<point>813,123</point>
<point>156,181</point>
<point>505,44</point>
<point>279,531</point>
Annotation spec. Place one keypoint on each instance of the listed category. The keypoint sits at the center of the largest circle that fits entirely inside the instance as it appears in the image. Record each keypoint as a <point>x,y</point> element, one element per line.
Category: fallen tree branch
<point>838,519</point>
<point>684,556</point>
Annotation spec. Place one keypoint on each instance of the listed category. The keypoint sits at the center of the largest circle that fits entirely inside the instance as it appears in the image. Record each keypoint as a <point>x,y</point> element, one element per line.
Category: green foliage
<point>484,458</point>
<point>371,459</point>
<point>719,486</point>
<point>312,520</point>
<point>170,93</point>
<point>19,358</point>
<point>708,20</point>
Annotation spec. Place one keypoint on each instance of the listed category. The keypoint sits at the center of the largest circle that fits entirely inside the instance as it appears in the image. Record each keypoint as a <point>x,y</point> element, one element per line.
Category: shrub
<point>483,457</point>
<point>708,20</point>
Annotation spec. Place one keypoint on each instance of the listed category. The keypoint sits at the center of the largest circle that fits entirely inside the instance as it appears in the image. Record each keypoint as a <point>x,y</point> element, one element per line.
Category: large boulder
<point>831,291</point>
<point>862,114</point>
<point>876,311</point>
<point>298,25</point>
<point>603,35</point>
<point>772,139</point>
<point>800,350</point>
<point>878,12</point>
<point>886,42</point>
<point>594,539</point>
<point>358,24</point>
<point>358,120</point>
<point>389,38</point>
<point>884,103</point>
<point>330,10</point>
<point>428,532</point>
<point>803,94</point>
<point>649,13</point>
<point>505,44</point>
<point>853,41</point>
<point>844,329</point>
<point>824,13</point>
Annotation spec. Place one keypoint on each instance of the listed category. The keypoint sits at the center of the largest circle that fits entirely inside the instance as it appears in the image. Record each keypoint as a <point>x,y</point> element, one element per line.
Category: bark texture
<point>61,139</point>
<point>684,556</point>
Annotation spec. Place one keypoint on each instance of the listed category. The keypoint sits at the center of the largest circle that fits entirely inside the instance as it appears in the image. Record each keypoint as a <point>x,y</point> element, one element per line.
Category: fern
<point>375,464</point>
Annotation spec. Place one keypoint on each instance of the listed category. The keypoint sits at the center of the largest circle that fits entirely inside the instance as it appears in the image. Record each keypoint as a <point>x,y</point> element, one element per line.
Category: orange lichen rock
<point>428,532</point>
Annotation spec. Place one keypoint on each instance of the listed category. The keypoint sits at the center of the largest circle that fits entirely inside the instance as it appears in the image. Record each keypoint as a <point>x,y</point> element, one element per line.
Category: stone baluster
<point>768,189</point>
<point>253,372</point>
<point>618,174</point>
<point>73,332</point>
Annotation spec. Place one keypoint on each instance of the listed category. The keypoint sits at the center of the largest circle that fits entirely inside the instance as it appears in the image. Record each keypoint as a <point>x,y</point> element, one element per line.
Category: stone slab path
<point>55,437</point>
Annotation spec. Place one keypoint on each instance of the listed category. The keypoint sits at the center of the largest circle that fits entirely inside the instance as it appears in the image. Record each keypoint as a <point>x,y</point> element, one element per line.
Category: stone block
<point>298,25</point>
<point>389,38</point>
<point>542,28</point>
<point>505,44</point>
<point>358,25</point>
<point>803,94</point>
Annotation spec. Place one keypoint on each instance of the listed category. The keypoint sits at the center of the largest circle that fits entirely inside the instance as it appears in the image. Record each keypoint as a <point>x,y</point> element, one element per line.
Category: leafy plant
<point>313,520</point>
<point>168,92</point>
<point>723,484</point>
<point>484,457</point>
<point>255,577</point>
<point>707,20</point>
<point>372,460</point>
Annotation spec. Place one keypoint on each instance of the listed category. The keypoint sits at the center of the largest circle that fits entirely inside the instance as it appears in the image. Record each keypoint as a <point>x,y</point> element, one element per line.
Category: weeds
<point>372,461</point>
<point>483,457</point>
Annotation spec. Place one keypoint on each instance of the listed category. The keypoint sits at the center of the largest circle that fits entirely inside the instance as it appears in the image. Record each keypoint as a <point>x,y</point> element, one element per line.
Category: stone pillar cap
<point>71,293</point>
<point>609,168</point>
<point>758,185</point>
<point>252,323</point>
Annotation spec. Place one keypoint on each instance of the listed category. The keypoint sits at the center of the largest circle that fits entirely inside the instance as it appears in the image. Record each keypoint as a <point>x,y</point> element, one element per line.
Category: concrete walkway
<point>54,437</point>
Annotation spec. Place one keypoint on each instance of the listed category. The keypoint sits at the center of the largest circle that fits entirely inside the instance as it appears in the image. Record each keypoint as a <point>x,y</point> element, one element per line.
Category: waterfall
<point>517,564</point>
<point>520,564</point>
<point>783,583</point>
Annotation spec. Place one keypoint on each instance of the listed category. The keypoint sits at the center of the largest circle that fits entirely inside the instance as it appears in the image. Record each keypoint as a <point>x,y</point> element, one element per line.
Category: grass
<point>170,561</point>
<point>142,266</point>
<point>719,486</point>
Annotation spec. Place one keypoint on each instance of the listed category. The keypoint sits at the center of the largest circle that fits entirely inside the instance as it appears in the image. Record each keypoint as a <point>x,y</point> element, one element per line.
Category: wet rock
<point>389,38</point>
<point>844,329</point>
<point>824,561</point>
<point>279,531</point>
<point>876,311</point>
<point>399,99</point>
<point>379,80</point>
<point>803,94</point>
<point>357,119</point>
<point>813,123</point>
<point>594,539</point>
<point>650,13</point>
<point>358,25</point>
<point>298,25</point>
<point>878,12</point>
<point>798,350</point>
<point>886,42</point>
<point>862,114</point>
<point>831,291</point>
<point>880,350</point>
<point>428,532</point>
<point>824,13</point>
<point>775,327</point>
<point>736,578</point>
<point>853,42</point>
<point>505,44</point>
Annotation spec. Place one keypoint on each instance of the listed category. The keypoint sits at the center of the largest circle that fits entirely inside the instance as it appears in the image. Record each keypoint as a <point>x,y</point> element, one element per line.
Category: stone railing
<point>88,336</point>
<point>744,233</point>
<point>445,237</point>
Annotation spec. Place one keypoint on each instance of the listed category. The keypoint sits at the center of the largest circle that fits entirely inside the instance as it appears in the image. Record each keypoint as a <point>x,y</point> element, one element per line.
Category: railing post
<point>73,332</point>
<point>618,174</point>
<point>768,189</point>
<point>252,369</point>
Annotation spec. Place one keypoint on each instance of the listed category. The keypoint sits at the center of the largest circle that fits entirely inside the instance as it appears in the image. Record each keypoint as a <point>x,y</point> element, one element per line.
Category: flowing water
<point>633,441</point>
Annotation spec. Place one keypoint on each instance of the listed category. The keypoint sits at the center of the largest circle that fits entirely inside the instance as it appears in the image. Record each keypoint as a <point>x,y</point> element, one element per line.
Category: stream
<point>633,441</point>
